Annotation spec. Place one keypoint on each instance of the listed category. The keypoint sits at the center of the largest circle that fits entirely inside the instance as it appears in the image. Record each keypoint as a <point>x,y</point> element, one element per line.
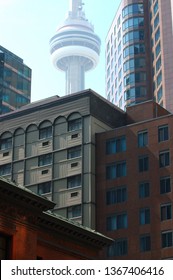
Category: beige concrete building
<point>49,147</point>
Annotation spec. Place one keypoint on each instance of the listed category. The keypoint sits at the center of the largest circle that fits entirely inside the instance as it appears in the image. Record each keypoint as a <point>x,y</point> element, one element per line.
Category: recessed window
<point>165,185</point>
<point>163,133</point>
<point>167,239</point>
<point>116,195</point>
<point>45,132</point>
<point>118,248</point>
<point>5,169</point>
<point>145,243</point>
<point>164,159</point>
<point>166,212</point>
<point>142,139</point>
<point>117,221</point>
<point>74,211</point>
<point>116,170</point>
<point>44,188</point>
<point>75,124</point>
<point>144,216</point>
<point>143,163</point>
<point>144,189</point>
<point>74,152</point>
<point>74,181</point>
<point>116,145</point>
<point>6,143</point>
<point>44,159</point>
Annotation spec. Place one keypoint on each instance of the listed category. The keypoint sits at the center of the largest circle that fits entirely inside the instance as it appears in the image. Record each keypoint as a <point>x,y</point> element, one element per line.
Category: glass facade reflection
<point>15,82</point>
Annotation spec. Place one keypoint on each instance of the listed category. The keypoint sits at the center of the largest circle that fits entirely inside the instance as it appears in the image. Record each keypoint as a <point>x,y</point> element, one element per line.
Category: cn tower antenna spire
<point>75,6</point>
<point>75,48</point>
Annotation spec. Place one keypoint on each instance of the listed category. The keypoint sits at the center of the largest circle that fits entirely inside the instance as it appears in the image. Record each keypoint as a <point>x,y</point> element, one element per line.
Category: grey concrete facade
<point>49,147</point>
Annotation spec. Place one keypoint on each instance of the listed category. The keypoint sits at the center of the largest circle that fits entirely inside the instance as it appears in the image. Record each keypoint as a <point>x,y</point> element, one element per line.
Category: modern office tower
<point>139,58</point>
<point>15,82</point>
<point>49,147</point>
<point>134,184</point>
<point>75,48</point>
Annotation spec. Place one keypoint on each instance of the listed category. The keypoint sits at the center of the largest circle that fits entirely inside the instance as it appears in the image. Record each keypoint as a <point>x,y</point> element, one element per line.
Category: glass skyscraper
<point>139,48</point>
<point>15,82</point>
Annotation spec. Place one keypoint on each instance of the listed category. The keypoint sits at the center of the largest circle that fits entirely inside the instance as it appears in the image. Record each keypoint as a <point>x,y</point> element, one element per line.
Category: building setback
<point>138,59</point>
<point>15,82</point>
<point>49,147</point>
<point>134,167</point>
<point>28,231</point>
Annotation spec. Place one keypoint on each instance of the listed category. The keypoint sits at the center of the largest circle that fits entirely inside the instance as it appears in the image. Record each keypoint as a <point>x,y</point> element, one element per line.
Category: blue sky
<point>26,27</point>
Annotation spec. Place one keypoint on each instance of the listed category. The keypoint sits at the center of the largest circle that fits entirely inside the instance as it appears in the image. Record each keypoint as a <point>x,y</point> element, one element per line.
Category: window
<point>142,139</point>
<point>163,133</point>
<point>134,22</point>
<point>74,211</point>
<point>164,159</point>
<point>144,189</point>
<point>118,248</point>
<point>45,132</point>
<point>5,169</point>
<point>117,221</point>
<point>44,188</point>
<point>116,170</point>
<point>158,64</point>
<point>143,163</point>
<point>133,9</point>
<point>165,185</point>
<point>74,181</point>
<point>167,239</point>
<point>134,63</point>
<point>133,36</point>
<point>159,78</point>
<point>158,49</point>
<point>135,93</point>
<point>116,145</point>
<point>145,243</point>
<point>117,195</point>
<point>6,143</point>
<point>166,212</point>
<point>156,7</point>
<point>134,49</point>
<point>74,152</point>
<point>159,95</point>
<point>157,35</point>
<point>44,159</point>
<point>75,124</point>
<point>156,21</point>
<point>144,216</point>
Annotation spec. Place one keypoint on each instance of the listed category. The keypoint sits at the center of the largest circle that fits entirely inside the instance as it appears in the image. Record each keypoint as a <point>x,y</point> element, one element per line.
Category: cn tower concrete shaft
<point>75,48</point>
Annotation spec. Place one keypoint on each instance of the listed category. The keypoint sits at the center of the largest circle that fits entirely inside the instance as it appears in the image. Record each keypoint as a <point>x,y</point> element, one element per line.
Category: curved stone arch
<point>6,134</point>
<point>18,131</point>
<point>74,116</point>
<point>59,120</point>
<point>44,124</point>
<point>31,127</point>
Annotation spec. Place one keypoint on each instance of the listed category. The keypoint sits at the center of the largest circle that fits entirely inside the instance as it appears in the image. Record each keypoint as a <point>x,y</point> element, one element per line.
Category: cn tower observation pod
<point>75,48</point>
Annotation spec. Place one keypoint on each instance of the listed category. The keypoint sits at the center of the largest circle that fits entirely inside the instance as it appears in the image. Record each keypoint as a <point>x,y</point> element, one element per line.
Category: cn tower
<point>75,48</point>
